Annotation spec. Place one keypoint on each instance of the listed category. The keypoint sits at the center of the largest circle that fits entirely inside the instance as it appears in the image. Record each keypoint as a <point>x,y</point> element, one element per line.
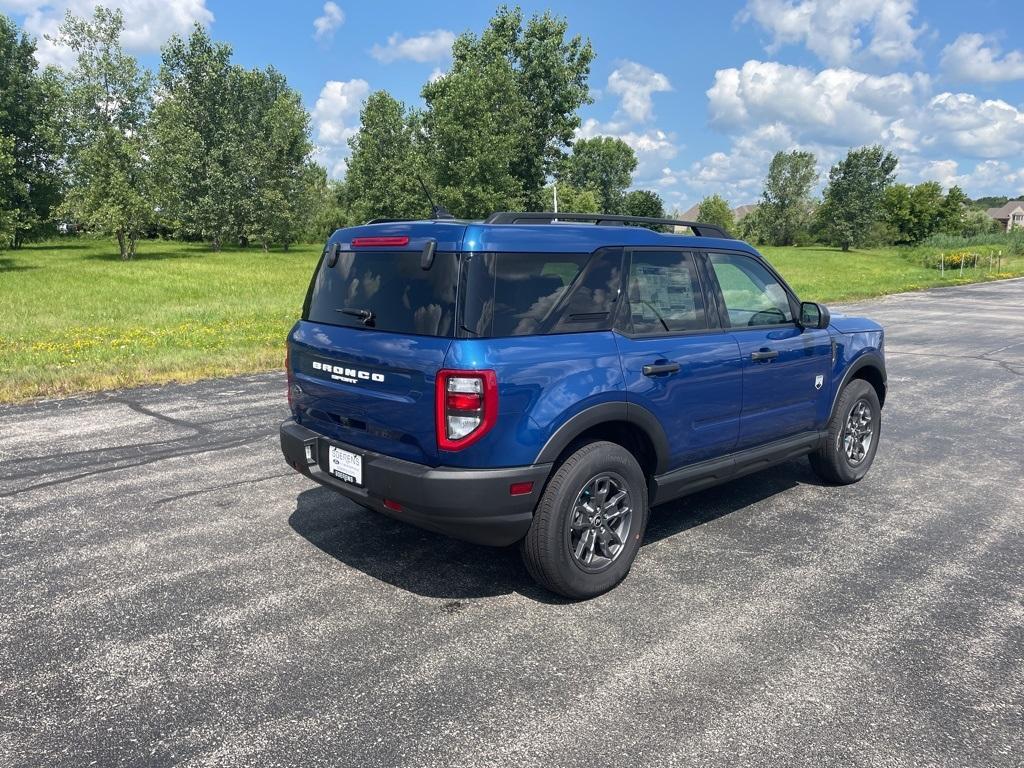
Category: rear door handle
<point>658,369</point>
<point>764,355</point>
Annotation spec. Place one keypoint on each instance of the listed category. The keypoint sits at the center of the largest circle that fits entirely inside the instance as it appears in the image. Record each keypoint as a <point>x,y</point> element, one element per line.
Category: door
<point>677,361</point>
<point>786,368</point>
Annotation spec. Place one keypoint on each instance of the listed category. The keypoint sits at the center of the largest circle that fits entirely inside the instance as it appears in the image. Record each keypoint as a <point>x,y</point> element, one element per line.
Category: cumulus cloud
<point>834,105</point>
<point>976,58</point>
<point>634,83</point>
<point>325,25</point>
<point>839,31</point>
<point>335,120</point>
<point>430,46</point>
<point>148,23</point>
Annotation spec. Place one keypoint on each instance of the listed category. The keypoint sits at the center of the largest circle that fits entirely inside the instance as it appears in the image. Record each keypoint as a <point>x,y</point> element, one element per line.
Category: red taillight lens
<point>466,405</point>
<point>380,242</point>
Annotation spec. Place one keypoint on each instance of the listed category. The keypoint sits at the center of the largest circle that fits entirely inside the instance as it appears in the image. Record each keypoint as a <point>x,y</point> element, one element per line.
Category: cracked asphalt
<point>172,594</point>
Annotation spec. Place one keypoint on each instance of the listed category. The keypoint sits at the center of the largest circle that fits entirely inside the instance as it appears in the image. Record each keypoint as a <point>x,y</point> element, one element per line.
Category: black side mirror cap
<point>427,257</point>
<point>814,315</point>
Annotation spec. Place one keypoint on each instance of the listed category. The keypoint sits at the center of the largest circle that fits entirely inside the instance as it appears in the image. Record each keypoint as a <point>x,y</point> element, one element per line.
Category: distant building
<point>738,213</point>
<point>1010,215</point>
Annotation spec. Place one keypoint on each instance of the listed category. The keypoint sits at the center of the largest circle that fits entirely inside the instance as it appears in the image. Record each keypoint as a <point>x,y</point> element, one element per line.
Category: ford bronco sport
<point>547,378</point>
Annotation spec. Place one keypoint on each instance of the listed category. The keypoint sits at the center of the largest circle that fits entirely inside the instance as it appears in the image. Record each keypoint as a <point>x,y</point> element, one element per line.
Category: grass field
<point>76,318</point>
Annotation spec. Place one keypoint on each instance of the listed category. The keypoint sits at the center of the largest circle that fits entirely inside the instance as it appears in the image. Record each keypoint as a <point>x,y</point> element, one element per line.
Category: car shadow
<point>432,565</point>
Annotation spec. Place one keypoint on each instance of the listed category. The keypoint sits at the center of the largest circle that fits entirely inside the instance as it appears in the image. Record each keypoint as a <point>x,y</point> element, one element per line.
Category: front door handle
<point>764,355</point>
<point>658,369</point>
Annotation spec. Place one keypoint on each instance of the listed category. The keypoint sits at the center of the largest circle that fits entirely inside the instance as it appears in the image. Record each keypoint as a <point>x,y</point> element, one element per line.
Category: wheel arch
<point>633,427</point>
<point>869,367</point>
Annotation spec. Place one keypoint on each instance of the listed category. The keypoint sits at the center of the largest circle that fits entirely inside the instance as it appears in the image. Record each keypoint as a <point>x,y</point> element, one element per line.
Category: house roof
<point>1005,211</point>
<point>690,214</point>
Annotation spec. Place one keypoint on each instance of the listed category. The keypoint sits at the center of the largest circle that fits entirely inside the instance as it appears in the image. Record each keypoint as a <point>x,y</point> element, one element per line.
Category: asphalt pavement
<point>171,593</point>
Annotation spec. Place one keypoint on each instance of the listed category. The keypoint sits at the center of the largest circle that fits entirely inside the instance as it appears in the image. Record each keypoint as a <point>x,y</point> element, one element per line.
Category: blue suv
<point>547,378</point>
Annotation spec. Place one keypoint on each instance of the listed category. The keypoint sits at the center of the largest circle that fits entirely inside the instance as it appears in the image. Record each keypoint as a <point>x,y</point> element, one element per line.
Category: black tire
<point>831,462</point>
<point>551,547</point>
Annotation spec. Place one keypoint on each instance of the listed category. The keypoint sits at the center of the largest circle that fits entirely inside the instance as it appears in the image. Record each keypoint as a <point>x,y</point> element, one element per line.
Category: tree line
<point>205,149</point>
<point>862,205</point>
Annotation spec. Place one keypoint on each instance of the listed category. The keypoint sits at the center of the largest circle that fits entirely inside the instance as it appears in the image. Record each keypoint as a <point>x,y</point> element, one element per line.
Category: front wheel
<point>589,522</point>
<point>852,439</point>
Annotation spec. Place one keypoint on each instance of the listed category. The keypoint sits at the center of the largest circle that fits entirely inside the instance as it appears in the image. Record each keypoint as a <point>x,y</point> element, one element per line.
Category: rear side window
<point>386,291</point>
<point>527,294</point>
<point>664,293</point>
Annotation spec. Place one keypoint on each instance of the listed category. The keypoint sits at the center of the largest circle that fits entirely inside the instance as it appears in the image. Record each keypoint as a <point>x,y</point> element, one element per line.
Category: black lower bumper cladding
<point>471,504</point>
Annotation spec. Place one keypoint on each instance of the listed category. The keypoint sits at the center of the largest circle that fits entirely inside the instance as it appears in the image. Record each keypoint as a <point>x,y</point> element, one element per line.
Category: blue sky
<point>704,92</point>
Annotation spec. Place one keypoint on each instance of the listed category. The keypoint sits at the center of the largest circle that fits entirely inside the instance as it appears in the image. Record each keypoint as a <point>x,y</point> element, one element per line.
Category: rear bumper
<point>470,504</point>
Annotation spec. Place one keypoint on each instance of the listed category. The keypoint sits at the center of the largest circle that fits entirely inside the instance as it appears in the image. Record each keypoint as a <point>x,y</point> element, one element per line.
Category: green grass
<point>828,274</point>
<point>74,317</point>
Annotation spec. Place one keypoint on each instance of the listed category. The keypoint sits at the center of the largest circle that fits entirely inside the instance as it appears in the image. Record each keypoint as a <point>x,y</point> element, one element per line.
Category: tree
<point>195,148</point>
<point>952,211</point>
<point>714,209</point>
<point>382,170</point>
<point>604,164</point>
<point>570,198</point>
<point>643,202</point>
<point>110,99</point>
<point>914,212</point>
<point>853,198</point>
<point>30,104</point>
<point>786,206</point>
<point>8,214</point>
<point>497,124</point>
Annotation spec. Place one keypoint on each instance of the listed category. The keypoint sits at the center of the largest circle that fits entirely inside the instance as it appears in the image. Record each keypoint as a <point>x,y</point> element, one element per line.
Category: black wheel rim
<point>599,522</point>
<point>858,433</point>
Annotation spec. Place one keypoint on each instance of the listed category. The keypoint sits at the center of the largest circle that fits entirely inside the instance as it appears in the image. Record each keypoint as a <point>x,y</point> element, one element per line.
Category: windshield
<point>386,291</point>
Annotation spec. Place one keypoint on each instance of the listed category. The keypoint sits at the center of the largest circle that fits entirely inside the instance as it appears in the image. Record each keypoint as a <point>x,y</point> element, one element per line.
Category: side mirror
<point>427,257</point>
<point>814,315</point>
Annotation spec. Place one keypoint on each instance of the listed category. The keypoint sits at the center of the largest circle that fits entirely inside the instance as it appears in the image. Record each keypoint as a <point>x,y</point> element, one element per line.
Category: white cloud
<point>335,118</point>
<point>833,106</point>
<point>430,46</point>
<point>634,83</point>
<point>839,31</point>
<point>990,129</point>
<point>989,177</point>
<point>325,25</point>
<point>976,58</point>
<point>148,23</point>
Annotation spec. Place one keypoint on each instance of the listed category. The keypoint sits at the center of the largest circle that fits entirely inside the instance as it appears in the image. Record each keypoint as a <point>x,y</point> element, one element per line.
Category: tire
<point>569,524</point>
<point>832,462</point>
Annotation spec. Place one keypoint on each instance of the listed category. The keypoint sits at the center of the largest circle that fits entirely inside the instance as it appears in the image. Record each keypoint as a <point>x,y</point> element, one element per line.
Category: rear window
<point>386,291</point>
<point>525,294</point>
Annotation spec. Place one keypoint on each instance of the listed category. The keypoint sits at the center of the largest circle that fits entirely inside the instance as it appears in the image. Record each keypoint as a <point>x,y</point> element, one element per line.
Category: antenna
<point>436,211</point>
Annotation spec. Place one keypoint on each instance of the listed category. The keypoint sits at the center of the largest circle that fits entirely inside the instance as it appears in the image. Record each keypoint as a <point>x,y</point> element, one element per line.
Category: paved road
<point>172,594</point>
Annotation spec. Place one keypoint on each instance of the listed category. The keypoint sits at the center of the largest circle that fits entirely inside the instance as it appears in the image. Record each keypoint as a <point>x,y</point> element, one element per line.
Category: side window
<point>663,293</point>
<point>752,294</point>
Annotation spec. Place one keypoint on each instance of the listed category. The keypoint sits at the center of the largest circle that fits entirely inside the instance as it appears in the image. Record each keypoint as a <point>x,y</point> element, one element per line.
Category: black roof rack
<point>548,217</point>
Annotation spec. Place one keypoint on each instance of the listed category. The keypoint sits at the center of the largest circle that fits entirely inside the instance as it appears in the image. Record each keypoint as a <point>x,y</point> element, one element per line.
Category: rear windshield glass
<point>386,291</point>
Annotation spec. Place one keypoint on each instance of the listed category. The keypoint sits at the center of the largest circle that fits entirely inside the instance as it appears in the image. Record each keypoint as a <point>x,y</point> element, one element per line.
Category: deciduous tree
<point>714,209</point>
<point>110,99</point>
<point>854,195</point>
<point>604,164</point>
<point>786,207</point>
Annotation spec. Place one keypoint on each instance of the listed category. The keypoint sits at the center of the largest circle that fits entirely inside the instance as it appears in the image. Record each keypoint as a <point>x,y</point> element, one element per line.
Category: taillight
<point>466,404</point>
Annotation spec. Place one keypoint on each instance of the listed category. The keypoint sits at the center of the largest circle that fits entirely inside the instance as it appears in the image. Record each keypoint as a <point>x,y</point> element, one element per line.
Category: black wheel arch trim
<point>871,359</point>
<point>603,413</point>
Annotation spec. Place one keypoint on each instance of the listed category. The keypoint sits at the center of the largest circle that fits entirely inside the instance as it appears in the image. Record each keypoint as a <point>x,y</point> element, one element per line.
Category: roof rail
<point>548,217</point>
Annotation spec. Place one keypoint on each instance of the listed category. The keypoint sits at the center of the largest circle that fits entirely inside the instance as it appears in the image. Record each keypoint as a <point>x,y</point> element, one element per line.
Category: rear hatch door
<point>375,330</point>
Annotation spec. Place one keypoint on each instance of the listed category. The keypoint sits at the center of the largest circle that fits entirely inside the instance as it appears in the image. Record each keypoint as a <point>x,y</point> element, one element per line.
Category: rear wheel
<point>853,433</point>
<point>589,523</point>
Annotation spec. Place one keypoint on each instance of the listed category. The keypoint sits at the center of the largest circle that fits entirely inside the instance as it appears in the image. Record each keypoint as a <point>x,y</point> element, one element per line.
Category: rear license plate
<point>346,465</point>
